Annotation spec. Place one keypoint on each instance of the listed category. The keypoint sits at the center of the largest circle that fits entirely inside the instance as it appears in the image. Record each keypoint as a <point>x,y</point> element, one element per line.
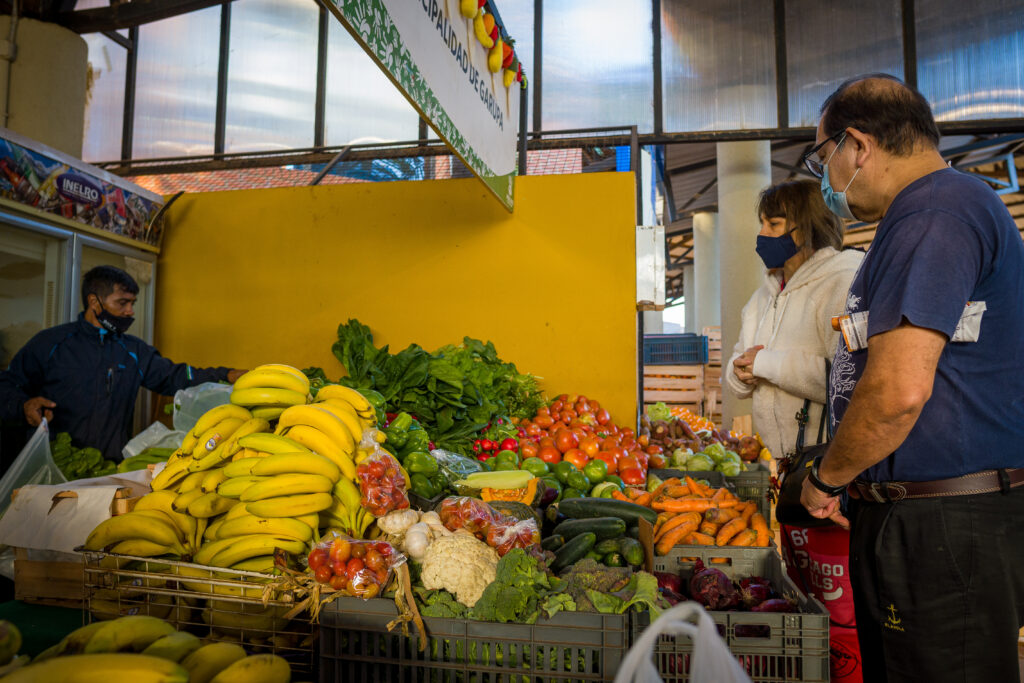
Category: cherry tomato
<point>355,565</point>
<point>382,575</point>
<point>376,470</point>
<point>339,582</point>
<point>487,445</point>
<point>374,560</point>
<point>341,550</point>
<point>323,574</point>
<point>318,558</point>
<point>384,549</point>
<point>340,569</point>
<point>358,550</point>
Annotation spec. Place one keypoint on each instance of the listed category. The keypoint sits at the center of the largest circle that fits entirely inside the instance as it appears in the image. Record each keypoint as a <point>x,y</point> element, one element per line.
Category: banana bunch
<point>269,389</point>
<point>145,649</point>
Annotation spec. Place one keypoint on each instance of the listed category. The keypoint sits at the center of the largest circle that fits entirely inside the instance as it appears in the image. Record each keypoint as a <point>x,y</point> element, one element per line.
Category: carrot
<point>760,526</point>
<point>697,538</point>
<point>720,516</point>
<point>747,537</point>
<point>694,505</point>
<point>632,492</point>
<point>728,504</point>
<point>671,481</point>
<point>728,530</point>
<point>748,511</point>
<point>643,499</point>
<point>697,488</point>
<point>682,518</point>
<point>619,495</point>
<point>671,538</point>
<point>709,528</point>
<point>676,491</point>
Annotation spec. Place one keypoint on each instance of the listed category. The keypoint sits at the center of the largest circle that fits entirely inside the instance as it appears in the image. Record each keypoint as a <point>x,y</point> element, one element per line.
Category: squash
<point>530,495</point>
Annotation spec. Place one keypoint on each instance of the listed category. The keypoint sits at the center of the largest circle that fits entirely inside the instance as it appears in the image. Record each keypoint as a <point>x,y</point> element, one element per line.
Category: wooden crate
<point>123,501</point>
<point>714,335</point>
<point>678,384</point>
<point>48,582</point>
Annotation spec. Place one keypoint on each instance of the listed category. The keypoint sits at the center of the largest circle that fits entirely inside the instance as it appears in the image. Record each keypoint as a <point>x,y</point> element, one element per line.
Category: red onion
<point>754,594</point>
<point>712,588</point>
<point>673,582</point>
<point>775,605</point>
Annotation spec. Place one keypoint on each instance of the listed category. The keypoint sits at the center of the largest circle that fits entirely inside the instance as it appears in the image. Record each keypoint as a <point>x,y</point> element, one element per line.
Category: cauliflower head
<point>461,565</point>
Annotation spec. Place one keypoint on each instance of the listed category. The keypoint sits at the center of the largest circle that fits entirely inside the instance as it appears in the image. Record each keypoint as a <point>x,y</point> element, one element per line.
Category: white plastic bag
<point>156,435</point>
<point>710,662</point>
<point>191,403</point>
<point>34,465</point>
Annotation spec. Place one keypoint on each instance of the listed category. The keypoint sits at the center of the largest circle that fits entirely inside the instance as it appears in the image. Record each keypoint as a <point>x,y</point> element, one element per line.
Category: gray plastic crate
<point>771,647</point>
<point>751,485</point>
<point>355,645</point>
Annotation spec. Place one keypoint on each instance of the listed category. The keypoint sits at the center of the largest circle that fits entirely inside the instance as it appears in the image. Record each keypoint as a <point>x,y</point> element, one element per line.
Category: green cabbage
<point>715,451</point>
<point>699,463</point>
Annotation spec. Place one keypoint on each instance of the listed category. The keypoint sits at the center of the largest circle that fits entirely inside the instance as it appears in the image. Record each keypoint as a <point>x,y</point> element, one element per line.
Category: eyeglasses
<point>810,159</point>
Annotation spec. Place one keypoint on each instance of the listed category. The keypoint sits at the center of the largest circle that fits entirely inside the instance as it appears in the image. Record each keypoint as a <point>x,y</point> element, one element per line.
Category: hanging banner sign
<point>40,177</point>
<point>432,53</point>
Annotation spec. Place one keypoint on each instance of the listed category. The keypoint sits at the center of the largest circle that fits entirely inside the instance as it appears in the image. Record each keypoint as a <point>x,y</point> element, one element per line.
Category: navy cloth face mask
<point>775,251</point>
<point>115,324</point>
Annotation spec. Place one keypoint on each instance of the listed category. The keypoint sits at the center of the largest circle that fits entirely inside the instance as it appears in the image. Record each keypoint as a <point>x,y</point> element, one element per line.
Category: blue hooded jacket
<point>93,376</point>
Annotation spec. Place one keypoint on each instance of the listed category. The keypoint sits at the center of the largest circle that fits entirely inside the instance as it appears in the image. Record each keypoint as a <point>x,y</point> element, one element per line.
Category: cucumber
<point>633,531</point>
<point>588,508</point>
<point>608,545</point>
<point>575,549</point>
<point>632,551</point>
<point>614,559</point>
<point>601,527</point>
<point>552,543</point>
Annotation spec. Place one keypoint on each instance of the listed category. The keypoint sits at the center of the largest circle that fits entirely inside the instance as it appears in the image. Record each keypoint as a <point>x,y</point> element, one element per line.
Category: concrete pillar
<point>690,321</point>
<point>706,275</point>
<point>44,95</point>
<point>653,322</point>
<point>744,170</point>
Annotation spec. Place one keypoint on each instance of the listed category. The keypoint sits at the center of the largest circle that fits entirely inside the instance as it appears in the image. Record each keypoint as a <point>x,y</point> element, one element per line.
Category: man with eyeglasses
<point>927,391</point>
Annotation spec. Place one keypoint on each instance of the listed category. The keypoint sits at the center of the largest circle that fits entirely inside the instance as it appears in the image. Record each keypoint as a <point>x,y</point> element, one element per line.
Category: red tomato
<point>576,457</point>
<point>341,550</point>
<point>534,429</point>
<point>627,462</point>
<point>657,461</point>
<point>339,582</point>
<point>602,416</point>
<point>509,444</point>
<point>529,450</point>
<point>374,560</point>
<point>543,422</point>
<point>318,558</point>
<point>376,470</point>
<point>609,459</point>
<point>384,549</point>
<point>355,565</point>
<point>565,440</point>
<point>609,443</point>
<point>632,476</point>
<point>323,574</point>
<point>549,454</point>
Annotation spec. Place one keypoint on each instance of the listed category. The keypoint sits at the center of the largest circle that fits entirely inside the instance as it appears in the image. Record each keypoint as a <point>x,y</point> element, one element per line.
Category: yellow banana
<point>268,412</point>
<point>210,505</point>
<point>174,647</point>
<point>297,463</point>
<point>197,537</point>
<point>209,660</point>
<point>236,512</point>
<point>212,530</point>
<point>324,420</point>
<point>164,518</point>
<point>290,506</point>
<point>318,442</point>
<point>259,396</point>
<point>190,483</point>
<point>212,480</point>
<point>254,545</point>
<point>271,443</point>
<point>162,500</point>
<point>347,492</point>
<point>140,547</point>
<point>201,580</point>
<point>171,474</point>
<point>342,393</point>
<point>264,564</point>
<point>256,669</point>
<point>286,485</point>
<point>203,556</point>
<point>112,666</point>
<point>222,431</point>
<point>240,468</point>
<point>134,632</point>
<point>132,525</point>
<point>217,414</point>
<point>347,414</point>
<point>273,379</point>
<point>281,367</point>
<point>331,521</point>
<point>243,620</point>
<point>275,526</point>
<point>183,500</point>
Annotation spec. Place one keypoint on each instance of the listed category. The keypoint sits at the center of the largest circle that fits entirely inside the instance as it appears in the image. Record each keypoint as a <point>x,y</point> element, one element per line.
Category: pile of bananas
<point>144,649</point>
<point>235,491</point>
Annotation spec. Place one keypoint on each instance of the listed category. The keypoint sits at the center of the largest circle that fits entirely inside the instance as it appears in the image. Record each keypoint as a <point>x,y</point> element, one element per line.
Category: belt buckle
<point>896,492</point>
<point>875,489</point>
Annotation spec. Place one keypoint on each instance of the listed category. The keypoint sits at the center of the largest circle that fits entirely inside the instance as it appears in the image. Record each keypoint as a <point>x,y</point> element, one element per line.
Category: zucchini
<point>633,531</point>
<point>602,527</point>
<point>608,545</point>
<point>614,559</point>
<point>552,543</point>
<point>575,549</point>
<point>588,508</point>
<point>632,551</point>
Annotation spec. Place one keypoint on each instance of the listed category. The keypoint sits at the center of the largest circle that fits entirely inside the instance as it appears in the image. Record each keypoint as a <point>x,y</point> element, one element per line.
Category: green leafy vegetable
<point>658,411</point>
<point>520,590</point>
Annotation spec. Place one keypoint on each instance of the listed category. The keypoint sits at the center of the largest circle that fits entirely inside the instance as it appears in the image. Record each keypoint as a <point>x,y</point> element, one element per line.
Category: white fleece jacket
<point>795,327</point>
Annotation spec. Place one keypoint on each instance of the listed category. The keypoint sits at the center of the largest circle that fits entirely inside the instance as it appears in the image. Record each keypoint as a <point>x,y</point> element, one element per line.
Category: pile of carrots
<point>691,513</point>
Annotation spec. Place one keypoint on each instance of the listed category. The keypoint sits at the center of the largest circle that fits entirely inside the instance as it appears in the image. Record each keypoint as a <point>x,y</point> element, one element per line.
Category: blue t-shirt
<point>947,239</point>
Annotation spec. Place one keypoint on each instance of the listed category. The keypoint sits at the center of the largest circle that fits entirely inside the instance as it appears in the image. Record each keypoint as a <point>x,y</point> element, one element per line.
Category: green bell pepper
<point>422,486</point>
<point>423,463</point>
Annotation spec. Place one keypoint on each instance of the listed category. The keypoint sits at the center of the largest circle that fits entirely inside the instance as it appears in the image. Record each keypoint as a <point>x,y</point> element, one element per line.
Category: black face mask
<point>115,324</point>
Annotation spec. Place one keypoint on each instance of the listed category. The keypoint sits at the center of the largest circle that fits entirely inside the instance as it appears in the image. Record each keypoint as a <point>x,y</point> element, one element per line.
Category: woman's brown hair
<point>800,203</point>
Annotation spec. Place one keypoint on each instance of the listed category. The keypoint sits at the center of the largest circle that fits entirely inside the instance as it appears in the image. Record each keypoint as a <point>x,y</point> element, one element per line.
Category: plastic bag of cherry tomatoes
<point>361,569</point>
<point>381,484</point>
<point>501,532</point>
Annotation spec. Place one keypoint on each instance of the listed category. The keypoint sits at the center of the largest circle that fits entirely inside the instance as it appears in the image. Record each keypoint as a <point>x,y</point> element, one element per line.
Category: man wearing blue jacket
<point>83,377</point>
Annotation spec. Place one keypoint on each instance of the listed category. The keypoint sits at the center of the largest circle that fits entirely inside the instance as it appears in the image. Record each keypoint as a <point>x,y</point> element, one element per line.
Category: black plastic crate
<point>769,646</point>
<point>675,349</point>
<point>355,645</point>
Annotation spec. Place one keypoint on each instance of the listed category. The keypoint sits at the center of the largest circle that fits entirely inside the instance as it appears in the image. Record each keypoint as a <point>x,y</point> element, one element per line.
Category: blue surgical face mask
<point>836,201</point>
<point>775,251</point>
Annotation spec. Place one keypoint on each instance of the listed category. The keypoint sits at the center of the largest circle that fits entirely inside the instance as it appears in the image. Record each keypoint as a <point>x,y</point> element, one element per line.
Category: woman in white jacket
<point>780,360</point>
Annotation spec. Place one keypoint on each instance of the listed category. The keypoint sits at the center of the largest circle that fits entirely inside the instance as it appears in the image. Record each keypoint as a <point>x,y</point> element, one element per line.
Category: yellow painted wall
<point>259,276</point>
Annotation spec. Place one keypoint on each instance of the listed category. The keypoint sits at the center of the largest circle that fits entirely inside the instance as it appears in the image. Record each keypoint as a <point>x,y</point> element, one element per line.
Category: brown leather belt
<point>987,481</point>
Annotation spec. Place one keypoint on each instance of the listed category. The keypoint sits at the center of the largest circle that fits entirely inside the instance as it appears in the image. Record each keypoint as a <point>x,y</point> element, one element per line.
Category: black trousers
<point>938,587</point>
